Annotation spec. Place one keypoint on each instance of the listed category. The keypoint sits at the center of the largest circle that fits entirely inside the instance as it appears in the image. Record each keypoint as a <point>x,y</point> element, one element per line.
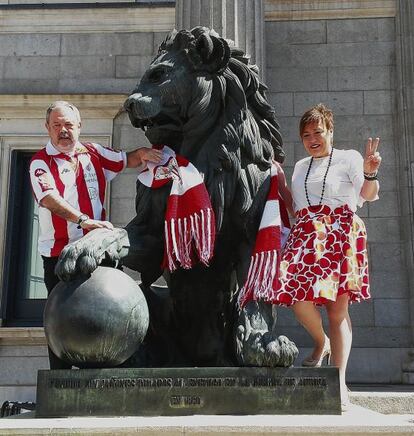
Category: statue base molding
<point>188,391</point>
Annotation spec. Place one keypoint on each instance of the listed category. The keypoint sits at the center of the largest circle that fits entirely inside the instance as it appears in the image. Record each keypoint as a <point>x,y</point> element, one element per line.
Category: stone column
<point>239,20</point>
<point>405,134</point>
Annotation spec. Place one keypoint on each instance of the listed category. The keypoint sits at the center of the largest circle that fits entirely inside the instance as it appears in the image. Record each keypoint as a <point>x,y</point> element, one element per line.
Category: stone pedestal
<point>405,130</point>
<point>239,20</point>
<point>188,391</point>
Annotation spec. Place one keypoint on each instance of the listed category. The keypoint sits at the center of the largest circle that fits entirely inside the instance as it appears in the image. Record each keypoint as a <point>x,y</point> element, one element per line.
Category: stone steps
<point>356,420</point>
<point>385,399</point>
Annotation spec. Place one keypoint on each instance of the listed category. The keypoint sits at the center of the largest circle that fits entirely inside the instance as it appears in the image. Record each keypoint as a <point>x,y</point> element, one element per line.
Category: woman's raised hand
<point>372,158</point>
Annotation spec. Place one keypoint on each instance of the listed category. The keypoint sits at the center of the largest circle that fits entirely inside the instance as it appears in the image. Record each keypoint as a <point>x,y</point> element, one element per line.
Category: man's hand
<point>91,224</point>
<point>143,155</point>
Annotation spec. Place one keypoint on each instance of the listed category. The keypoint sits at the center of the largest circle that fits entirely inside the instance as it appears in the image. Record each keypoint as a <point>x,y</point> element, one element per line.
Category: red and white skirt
<point>325,256</point>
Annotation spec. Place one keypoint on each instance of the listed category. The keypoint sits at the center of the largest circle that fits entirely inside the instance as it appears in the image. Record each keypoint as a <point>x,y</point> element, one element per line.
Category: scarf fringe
<point>260,278</point>
<point>189,239</point>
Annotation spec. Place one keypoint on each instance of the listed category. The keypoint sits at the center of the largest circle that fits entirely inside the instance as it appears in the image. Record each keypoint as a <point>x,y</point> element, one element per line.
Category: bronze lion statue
<point>202,98</point>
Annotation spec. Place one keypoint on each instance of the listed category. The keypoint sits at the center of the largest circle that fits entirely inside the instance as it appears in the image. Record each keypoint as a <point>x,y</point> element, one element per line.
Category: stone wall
<point>350,65</point>
<point>73,63</point>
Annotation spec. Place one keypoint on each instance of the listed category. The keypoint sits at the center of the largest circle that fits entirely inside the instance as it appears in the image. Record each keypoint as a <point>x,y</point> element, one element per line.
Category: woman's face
<point>317,139</point>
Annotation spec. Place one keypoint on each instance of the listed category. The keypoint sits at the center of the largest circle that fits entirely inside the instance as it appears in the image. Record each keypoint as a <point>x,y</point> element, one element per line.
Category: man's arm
<point>59,206</point>
<point>143,155</point>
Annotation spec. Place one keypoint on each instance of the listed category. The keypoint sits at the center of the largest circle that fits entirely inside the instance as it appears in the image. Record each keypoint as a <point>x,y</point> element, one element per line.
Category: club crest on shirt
<point>43,179</point>
<point>170,170</point>
<point>39,171</point>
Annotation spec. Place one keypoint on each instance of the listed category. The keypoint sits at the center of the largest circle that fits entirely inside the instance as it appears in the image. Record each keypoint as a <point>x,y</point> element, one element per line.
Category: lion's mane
<point>242,134</point>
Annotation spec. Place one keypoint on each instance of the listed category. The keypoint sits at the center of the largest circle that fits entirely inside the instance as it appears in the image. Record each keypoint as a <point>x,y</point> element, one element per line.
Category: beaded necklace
<point>324,178</point>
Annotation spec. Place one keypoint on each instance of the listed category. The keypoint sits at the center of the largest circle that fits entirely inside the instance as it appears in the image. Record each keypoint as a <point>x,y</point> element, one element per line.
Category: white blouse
<point>343,182</point>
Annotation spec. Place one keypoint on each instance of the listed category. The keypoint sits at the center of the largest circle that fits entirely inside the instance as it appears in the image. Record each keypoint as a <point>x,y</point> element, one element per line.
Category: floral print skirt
<point>325,256</point>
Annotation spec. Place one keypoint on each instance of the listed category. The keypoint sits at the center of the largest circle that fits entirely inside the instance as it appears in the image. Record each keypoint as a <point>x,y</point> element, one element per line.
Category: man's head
<point>63,124</point>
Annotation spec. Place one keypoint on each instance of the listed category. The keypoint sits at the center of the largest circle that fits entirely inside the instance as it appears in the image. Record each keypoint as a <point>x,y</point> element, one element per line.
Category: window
<point>25,292</point>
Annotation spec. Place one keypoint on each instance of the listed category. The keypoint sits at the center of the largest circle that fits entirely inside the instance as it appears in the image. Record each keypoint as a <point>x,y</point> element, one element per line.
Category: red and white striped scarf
<point>189,224</point>
<point>262,277</point>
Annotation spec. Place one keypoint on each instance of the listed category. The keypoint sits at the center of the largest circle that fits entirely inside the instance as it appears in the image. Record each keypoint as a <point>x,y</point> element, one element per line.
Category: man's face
<point>63,128</point>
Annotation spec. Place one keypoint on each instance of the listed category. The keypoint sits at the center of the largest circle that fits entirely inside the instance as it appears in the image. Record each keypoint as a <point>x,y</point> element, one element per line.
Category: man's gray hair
<point>62,104</point>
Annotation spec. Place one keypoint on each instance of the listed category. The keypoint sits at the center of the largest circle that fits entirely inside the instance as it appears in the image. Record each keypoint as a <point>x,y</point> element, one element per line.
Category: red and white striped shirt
<point>80,179</point>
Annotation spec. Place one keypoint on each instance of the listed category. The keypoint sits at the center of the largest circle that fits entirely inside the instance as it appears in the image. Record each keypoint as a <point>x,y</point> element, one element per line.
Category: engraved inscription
<point>186,401</point>
<point>191,382</point>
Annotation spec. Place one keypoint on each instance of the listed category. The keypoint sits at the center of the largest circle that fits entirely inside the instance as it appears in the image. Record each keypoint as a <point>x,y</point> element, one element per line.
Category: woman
<point>324,261</point>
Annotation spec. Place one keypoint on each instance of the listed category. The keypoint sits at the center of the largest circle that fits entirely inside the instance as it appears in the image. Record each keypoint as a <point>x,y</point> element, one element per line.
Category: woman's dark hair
<point>315,114</point>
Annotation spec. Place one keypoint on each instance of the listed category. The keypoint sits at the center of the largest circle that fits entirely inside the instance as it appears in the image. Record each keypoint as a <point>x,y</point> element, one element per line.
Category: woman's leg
<point>340,333</point>
<point>309,316</point>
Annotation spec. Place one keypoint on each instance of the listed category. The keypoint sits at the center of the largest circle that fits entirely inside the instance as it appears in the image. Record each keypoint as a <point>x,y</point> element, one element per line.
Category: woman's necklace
<point>324,178</point>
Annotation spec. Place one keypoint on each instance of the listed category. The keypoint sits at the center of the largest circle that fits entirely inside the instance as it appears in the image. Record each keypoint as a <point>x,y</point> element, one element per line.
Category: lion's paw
<point>281,351</point>
<point>82,257</point>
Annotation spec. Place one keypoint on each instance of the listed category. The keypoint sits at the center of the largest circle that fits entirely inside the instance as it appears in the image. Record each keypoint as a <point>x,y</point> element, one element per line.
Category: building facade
<point>355,56</point>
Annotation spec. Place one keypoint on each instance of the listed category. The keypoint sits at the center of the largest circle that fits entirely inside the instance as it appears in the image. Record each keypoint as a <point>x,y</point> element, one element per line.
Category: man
<point>68,180</point>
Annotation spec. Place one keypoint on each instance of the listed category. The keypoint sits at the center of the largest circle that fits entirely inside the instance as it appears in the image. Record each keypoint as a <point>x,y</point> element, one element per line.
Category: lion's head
<point>201,97</point>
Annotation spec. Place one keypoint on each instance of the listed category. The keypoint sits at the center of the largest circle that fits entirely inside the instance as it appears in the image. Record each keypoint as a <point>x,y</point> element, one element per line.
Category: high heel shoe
<point>326,352</point>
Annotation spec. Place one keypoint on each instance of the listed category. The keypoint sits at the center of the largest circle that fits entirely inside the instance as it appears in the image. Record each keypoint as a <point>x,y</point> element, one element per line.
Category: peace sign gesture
<point>372,158</point>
